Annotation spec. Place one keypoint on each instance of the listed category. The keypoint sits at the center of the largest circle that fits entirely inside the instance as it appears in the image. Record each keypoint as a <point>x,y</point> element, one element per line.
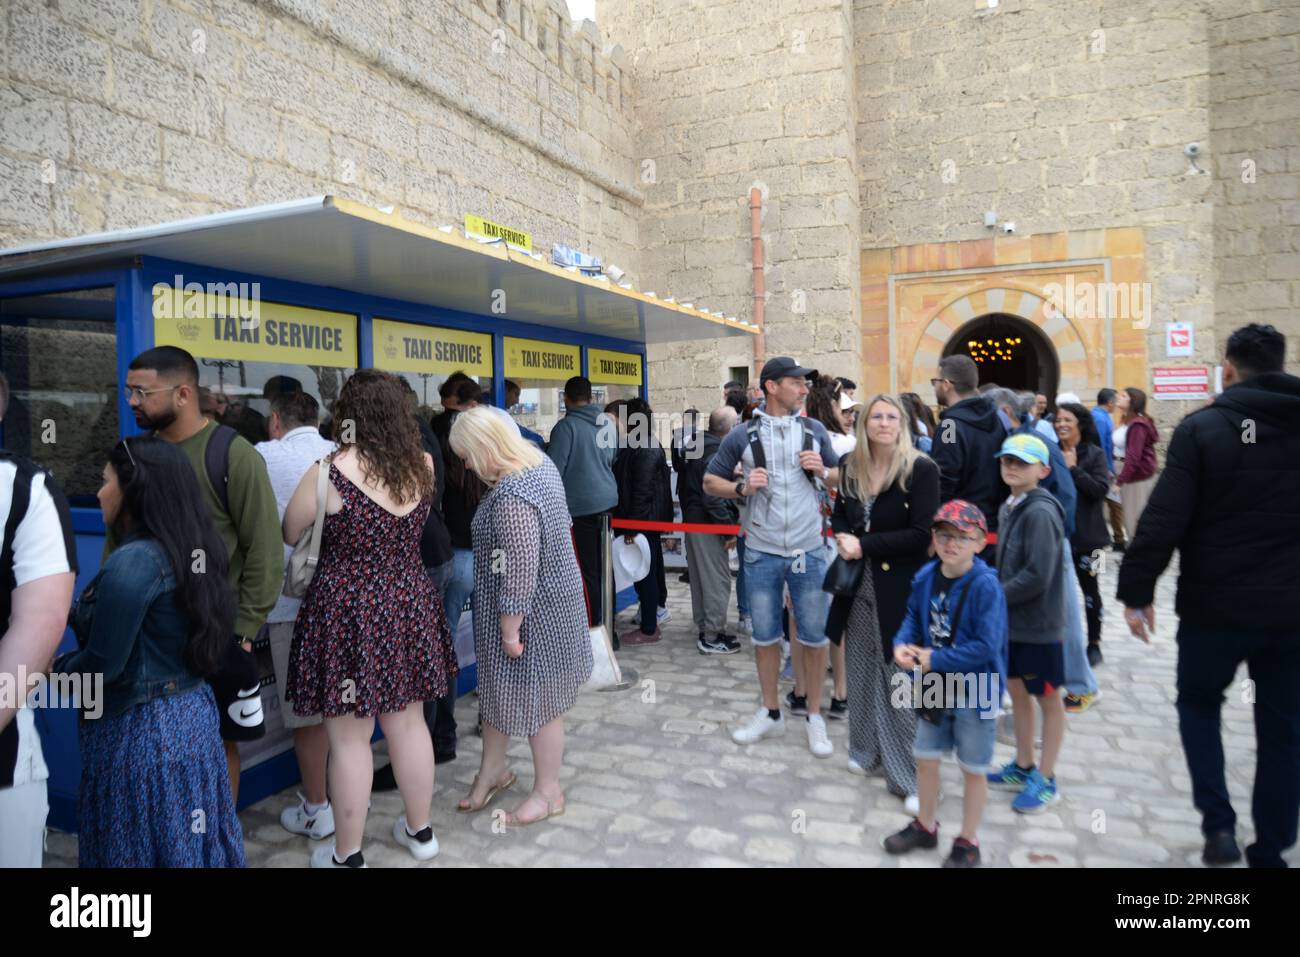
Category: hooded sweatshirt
<point>583,446</point>
<point>1227,501</point>
<point>965,449</point>
<point>1140,454</point>
<point>979,645</point>
<point>1030,539</point>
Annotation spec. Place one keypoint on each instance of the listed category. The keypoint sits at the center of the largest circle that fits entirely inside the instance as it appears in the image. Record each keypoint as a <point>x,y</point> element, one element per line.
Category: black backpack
<point>216,462</point>
<point>760,457</point>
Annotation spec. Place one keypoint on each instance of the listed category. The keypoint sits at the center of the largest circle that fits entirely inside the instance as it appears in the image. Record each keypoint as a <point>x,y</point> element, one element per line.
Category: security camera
<point>1008,228</point>
<point>1192,149</point>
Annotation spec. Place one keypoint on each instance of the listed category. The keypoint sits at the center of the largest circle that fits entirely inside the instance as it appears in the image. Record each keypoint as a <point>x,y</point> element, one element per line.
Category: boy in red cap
<point>953,640</point>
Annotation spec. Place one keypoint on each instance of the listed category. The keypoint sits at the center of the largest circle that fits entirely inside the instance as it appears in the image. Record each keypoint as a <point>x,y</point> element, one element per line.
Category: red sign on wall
<point>1180,382</point>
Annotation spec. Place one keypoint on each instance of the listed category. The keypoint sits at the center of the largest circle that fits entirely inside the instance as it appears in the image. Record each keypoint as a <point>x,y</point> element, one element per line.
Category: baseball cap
<point>778,367</point>
<point>846,403</point>
<point>1027,448</point>
<point>962,515</point>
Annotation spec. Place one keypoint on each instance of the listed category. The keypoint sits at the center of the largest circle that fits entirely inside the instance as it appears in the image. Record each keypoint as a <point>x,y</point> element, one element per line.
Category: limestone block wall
<point>118,113</point>
<point>1255,152</point>
<point>731,95</point>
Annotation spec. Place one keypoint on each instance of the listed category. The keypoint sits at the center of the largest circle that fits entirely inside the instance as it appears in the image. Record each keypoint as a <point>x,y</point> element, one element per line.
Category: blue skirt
<point>155,790</point>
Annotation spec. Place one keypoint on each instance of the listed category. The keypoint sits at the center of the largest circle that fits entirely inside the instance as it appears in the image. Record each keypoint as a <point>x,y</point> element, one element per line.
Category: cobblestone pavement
<point>653,778</point>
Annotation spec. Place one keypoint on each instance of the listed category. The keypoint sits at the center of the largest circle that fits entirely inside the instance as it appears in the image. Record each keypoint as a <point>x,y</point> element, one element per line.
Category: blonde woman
<point>889,493</point>
<point>530,618</point>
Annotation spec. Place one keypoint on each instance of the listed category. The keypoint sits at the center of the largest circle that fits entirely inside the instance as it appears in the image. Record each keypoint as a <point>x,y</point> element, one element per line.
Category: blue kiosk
<point>310,289</point>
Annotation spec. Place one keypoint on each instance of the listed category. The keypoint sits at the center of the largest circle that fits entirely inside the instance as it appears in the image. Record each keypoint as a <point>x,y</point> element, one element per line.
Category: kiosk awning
<point>329,241</point>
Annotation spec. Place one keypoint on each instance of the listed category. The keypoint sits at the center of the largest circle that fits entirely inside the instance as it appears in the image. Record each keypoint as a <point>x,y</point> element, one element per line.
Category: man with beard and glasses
<point>162,388</point>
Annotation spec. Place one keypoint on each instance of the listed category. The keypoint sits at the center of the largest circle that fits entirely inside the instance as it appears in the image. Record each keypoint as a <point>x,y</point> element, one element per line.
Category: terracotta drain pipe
<point>756,241</point>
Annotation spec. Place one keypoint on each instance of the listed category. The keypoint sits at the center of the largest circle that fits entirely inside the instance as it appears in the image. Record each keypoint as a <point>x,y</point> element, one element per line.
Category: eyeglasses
<point>934,383</point>
<point>948,538</point>
<point>135,392</point>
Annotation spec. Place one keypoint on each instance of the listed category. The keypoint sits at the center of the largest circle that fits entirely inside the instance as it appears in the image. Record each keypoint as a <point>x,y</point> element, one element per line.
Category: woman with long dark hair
<point>888,495</point>
<point>1081,448</point>
<point>1138,477</point>
<point>921,420</point>
<point>154,622</point>
<point>371,639</point>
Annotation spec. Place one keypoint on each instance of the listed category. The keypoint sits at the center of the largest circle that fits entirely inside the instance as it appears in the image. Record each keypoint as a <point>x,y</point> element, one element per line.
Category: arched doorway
<point>1010,351</point>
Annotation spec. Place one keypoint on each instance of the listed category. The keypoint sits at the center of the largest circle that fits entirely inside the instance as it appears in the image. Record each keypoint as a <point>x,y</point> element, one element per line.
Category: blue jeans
<point>459,587</point>
<point>1079,679</point>
<point>766,578</point>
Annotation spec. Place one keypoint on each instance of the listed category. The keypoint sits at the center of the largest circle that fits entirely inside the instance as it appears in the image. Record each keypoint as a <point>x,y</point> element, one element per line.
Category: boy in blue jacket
<point>955,635</point>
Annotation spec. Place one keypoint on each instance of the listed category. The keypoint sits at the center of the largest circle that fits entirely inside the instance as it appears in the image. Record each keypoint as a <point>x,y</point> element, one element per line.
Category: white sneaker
<point>758,727</point>
<point>663,615</point>
<point>421,850</point>
<point>818,741</point>
<point>323,856</point>
<point>745,625</point>
<point>912,805</point>
<point>295,820</point>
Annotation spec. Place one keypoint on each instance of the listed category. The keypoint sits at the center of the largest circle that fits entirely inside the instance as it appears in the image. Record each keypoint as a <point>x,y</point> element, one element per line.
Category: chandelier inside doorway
<point>994,349</point>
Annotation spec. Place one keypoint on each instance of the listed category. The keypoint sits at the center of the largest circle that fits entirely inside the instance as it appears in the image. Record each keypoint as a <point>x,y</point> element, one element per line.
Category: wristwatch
<point>740,488</point>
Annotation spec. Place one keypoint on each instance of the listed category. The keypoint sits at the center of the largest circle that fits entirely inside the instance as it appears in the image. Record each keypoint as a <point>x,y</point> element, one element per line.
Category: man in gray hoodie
<point>583,445</point>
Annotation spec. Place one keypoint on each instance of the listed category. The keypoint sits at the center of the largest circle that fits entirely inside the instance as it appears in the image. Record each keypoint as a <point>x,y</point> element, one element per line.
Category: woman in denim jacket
<point>150,626</point>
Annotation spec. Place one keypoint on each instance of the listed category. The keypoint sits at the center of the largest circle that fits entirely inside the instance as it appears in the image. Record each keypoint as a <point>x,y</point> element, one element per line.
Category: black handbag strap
<point>961,603</point>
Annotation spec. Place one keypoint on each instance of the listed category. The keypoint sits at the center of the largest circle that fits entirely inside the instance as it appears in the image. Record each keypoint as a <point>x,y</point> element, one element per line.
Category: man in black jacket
<point>967,441</point>
<point>1227,501</point>
<point>707,554</point>
<point>644,494</point>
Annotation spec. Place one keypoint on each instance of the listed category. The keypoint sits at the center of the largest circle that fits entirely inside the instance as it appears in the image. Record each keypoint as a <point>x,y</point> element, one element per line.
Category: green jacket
<point>251,529</point>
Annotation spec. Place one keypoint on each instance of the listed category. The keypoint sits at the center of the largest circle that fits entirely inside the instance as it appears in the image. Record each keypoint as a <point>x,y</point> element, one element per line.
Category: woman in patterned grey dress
<point>888,495</point>
<point>531,637</point>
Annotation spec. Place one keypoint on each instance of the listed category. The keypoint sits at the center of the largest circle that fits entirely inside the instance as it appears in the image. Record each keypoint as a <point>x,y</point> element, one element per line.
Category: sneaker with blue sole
<point>1037,796</point>
<point>1011,778</point>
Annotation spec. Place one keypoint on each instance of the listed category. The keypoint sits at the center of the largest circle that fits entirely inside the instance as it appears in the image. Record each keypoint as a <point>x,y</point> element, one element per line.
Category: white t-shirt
<point>43,546</point>
<point>287,460</point>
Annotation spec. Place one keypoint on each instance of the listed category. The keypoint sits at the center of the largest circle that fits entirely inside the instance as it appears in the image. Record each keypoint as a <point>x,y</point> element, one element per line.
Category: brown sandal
<point>552,810</point>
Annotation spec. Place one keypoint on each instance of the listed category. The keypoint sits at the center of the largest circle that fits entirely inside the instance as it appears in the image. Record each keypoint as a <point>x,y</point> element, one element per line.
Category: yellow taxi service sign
<point>477,227</point>
<point>534,359</point>
<point>406,347</point>
<point>613,368</point>
<point>229,321</point>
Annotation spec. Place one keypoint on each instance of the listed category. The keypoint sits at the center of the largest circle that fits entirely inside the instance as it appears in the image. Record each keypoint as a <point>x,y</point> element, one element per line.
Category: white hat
<point>846,402</point>
<point>631,561</point>
<point>1067,397</point>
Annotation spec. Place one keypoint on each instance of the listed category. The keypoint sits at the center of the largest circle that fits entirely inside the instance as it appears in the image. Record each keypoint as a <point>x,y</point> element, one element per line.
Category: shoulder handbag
<point>843,577</point>
<point>935,714</point>
<point>306,554</point>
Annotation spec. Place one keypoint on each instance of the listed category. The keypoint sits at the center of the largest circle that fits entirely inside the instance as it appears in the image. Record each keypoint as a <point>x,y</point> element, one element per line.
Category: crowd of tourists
<point>936,571</point>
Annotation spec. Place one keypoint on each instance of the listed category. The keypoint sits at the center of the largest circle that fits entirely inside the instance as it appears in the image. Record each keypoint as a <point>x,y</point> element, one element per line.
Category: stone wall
<point>118,113</point>
<point>729,95</point>
<point>1255,152</point>
<point>1060,117</point>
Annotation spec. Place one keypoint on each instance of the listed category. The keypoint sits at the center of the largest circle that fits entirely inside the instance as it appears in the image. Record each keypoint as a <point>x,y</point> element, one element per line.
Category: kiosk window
<point>59,352</point>
<point>539,370</point>
<point>238,393</point>
<point>427,356</point>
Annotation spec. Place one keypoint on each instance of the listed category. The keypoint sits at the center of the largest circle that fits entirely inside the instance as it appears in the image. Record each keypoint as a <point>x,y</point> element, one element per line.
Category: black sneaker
<point>1221,848</point>
<point>796,704</point>
<point>839,709</point>
<point>1094,654</point>
<point>717,645</point>
<point>444,757</point>
<point>910,838</point>
<point>964,854</point>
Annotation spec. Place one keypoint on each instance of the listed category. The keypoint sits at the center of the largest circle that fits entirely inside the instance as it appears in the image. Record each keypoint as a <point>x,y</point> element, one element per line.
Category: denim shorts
<point>766,579</point>
<point>963,728</point>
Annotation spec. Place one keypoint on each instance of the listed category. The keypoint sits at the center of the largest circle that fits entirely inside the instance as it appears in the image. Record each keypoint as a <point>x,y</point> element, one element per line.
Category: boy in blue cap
<point>1031,529</point>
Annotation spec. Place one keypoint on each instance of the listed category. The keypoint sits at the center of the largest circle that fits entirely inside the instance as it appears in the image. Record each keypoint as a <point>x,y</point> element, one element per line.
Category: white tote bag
<point>604,666</point>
